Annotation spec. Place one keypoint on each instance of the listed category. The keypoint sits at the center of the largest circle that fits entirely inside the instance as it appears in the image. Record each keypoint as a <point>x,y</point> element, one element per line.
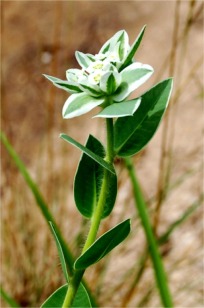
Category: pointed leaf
<point>123,109</point>
<point>78,104</point>
<point>124,45</point>
<point>110,81</point>
<point>83,59</point>
<point>103,245</point>
<point>81,299</point>
<point>88,182</point>
<point>134,76</point>
<point>128,59</point>
<point>133,133</point>
<point>90,89</point>
<point>60,252</point>
<point>112,42</point>
<point>56,299</point>
<point>91,154</point>
<point>68,86</point>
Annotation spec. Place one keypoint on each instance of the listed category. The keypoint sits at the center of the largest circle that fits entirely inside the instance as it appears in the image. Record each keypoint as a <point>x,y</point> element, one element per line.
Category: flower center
<point>98,66</point>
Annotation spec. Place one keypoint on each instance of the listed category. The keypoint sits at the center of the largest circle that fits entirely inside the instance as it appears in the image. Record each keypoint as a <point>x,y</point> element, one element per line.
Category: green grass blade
<point>159,270</point>
<point>38,197</point>
<point>8,299</point>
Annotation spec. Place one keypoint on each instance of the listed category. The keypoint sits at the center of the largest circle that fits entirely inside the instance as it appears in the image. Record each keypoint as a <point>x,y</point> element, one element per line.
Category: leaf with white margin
<point>110,81</point>
<point>78,104</point>
<point>75,74</point>
<point>118,110</point>
<point>83,59</point>
<point>90,89</point>
<point>68,86</point>
<point>124,45</point>
<point>112,42</point>
<point>133,76</point>
<point>129,57</point>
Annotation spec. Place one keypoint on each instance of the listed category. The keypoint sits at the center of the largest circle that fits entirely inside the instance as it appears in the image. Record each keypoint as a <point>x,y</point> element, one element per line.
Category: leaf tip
<point>61,135</point>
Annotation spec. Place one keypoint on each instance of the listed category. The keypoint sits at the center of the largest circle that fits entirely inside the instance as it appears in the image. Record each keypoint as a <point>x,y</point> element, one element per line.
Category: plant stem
<point>110,141</point>
<point>159,271</point>
<point>96,218</point>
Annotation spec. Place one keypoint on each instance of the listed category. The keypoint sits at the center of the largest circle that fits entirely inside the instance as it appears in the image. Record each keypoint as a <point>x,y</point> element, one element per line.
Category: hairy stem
<point>159,270</point>
<point>96,219</point>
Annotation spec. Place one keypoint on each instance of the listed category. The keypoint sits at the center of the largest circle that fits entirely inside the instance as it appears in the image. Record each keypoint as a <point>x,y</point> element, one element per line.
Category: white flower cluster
<point>112,74</point>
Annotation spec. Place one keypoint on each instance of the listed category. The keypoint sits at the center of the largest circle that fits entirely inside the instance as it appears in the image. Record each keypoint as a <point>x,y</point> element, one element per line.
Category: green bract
<point>104,79</point>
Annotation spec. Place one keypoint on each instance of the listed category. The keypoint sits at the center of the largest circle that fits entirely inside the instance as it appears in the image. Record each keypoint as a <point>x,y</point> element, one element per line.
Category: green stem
<point>96,219</point>
<point>159,270</point>
<point>110,141</point>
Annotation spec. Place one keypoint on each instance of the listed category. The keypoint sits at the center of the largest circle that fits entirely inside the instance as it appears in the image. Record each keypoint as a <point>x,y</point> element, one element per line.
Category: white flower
<point>95,66</point>
<point>75,75</point>
<point>95,76</point>
<point>111,73</point>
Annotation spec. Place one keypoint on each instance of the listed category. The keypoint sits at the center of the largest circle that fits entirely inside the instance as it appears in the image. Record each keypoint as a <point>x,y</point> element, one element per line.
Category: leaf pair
<point>56,299</point>
<point>101,247</point>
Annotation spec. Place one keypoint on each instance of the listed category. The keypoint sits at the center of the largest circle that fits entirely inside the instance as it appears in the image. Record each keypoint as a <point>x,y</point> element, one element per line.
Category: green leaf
<point>60,252</point>
<point>95,157</point>
<point>78,104</point>
<point>81,299</point>
<point>134,76</point>
<point>68,86</point>
<point>90,89</point>
<point>133,133</point>
<point>88,182</point>
<point>110,45</point>
<point>110,81</point>
<point>124,45</point>
<point>123,109</point>
<point>128,59</point>
<point>83,59</point>
<point>103,245</point>
<point>57,298</point>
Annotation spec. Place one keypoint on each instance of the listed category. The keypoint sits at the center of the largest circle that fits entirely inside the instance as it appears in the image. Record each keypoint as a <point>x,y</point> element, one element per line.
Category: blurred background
<point>41,37</point>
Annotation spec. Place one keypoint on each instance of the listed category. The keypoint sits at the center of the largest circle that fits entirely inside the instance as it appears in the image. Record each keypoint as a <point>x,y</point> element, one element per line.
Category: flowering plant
<point>106,80</point>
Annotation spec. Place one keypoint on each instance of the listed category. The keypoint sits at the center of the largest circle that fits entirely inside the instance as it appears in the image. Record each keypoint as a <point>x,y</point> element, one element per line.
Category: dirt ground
<point>41,37</point>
